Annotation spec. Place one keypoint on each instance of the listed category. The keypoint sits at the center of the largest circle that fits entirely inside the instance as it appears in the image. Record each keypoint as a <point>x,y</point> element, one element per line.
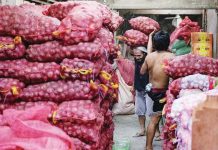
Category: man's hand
<point>132,90</point>
<point>152,33</point>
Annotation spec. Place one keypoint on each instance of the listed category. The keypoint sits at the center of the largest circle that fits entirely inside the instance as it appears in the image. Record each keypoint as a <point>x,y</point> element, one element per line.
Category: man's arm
<point>150,44</point>
<point>144,67</point>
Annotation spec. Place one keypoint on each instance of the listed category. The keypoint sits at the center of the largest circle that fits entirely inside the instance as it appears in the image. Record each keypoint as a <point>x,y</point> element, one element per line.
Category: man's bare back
<point>157,76</point>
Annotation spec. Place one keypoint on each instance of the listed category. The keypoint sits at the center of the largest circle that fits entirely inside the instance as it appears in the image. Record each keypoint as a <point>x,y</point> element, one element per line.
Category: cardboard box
<point>202,49</point>
<point>201,37</point>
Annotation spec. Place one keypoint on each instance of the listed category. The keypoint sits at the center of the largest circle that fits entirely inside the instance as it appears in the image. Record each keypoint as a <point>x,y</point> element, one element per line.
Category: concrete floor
<point>126,127</point>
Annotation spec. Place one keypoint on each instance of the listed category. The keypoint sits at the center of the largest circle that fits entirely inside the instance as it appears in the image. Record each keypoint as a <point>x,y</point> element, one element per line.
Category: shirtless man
<point>158,80</point>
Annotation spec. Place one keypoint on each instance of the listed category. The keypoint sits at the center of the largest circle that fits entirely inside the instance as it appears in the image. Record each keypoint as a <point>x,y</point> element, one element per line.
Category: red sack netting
<point>28,22</point>
<point>109,79</point>
<point>81,25</point>
<point>59,91</point>
<point>25,130</point>
<point>144,24</point>
<point>80,69</point>
<point>190,64</point>
<point>10,89</point>
<point>134,38</point>
<point>78,111</point>
<point>116,22</point>
<point>126,68</point>
<point>56,51</point>
<point>30,72</point>
<point>27,105</point>
<point>107,40</point>
<point>61,10</point>
<point>11,48</point>
<point>89,133</point>
<point>184,30</point>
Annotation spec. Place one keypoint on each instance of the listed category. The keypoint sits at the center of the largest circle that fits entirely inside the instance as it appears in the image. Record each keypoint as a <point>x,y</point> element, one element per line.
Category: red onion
<point>116,22</point>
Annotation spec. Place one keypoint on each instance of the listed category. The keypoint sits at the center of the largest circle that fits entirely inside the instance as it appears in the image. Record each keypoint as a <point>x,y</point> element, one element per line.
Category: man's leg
<point>142,120</point>
<point>140,112</point>
<point>152,126</point>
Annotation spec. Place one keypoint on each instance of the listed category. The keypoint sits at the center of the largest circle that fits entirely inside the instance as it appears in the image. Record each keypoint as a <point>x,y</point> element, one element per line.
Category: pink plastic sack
<point>30,72</point>
<point>81,25</point>
<point>116,22</point>
<point>144,24</point>
<point>11,48</point>
<point>27,105</point>
<point>27,21</point>
<point>126,68</point>
<point>56,51</point>
<point>134,38</point>
<point>10,89</point>
<point>59,91</point>
<point>190,64</point>
<point>80,69</point>
<point>184,30</point>
<point>32,131</point>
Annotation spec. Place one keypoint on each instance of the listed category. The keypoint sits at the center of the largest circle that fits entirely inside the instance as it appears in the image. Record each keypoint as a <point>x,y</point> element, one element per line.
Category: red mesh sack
<point>80,69</point>
<point>27,105</point>
<point>144,24</point>
<point>190,64</point>
<point>81,25</point>
<point>80,145</point>
<point>30,72</point>
<point>59,91</point>
<point>184,30</point>
<point>78,111</point>
<point>27,21</point>
<point>116,22</point>
<point>126,68</point>
<point>134,38</point>
<point>10,89</point>
<point>56,51</point>
<point>11,48</point>
<point>89,133</point>
<point>61,10</point>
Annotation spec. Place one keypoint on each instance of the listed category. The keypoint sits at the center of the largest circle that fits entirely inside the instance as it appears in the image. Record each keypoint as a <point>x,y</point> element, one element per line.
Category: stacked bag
<point>142,27</point>
<point>192,74</point>
<point>58,56</point>
<point>181,37</point>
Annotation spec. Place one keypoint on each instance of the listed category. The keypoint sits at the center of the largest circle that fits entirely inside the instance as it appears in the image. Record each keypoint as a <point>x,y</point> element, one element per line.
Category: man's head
<point>161,41</point>
<point>139,53</point>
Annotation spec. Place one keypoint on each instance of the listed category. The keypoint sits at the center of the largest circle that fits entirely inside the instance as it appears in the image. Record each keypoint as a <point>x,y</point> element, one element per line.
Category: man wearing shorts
<point>159,81</point>
<point>139,86</point>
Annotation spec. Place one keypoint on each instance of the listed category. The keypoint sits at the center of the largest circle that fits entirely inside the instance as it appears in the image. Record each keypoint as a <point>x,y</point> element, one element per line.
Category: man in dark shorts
<point>159,81</point>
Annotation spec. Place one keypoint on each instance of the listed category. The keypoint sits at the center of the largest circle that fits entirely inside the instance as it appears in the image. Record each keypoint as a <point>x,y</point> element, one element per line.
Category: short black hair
<point>161,41</point>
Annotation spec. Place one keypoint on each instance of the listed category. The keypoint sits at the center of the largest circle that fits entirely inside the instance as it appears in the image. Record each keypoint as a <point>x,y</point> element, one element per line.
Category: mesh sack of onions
<point>184,30</point>
<point>11,48</point>
<point>190,64</point>
<point>144,24</point>
<point>30,72</point>
<point>116,22</point>
<point>28,22</point>
<point>80,145</point>
<point>77,111</point>
<point>56,51</point>
<point>134,38</point>
<point>81,25</point>
<point>59,91</point>
<point>26,105</point>
<point>10,89</point>
<point>89,133</point>
<point>80,69</point>
<point>61,10</point>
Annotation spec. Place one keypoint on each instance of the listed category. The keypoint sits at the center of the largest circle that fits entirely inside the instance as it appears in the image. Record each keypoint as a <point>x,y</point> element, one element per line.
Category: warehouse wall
<point>212,27</point>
